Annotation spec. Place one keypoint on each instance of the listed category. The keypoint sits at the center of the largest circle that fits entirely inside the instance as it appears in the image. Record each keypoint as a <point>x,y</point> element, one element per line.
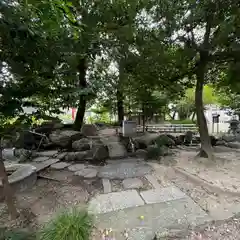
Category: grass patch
<point>73,224</point>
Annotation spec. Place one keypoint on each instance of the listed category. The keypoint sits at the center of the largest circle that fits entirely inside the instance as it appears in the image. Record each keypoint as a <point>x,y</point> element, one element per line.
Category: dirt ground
<point>43,201</point>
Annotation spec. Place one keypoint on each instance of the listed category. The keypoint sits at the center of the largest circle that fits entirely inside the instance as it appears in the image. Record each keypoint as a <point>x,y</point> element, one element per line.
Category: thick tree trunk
<point>7,191</point>
<point>120,96</point>
<point>206,147</point>
<point>82,69</point>
<point>120,108</point>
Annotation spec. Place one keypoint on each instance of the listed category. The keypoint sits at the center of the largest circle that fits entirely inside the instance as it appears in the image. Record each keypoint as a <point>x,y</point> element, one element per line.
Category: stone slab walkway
<point>155,218</point>
<point>144,213</point>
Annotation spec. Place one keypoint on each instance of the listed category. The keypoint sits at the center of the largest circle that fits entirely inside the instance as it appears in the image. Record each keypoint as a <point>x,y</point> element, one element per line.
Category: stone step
<point>142,222</point>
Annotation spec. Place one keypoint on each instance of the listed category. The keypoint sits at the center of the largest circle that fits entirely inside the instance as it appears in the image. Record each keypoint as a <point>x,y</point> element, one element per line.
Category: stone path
<point>134,200</point>
<point>142,215</point>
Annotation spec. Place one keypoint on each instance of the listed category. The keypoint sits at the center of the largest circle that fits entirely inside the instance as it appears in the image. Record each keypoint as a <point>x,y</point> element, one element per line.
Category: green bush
<point>69,225</point>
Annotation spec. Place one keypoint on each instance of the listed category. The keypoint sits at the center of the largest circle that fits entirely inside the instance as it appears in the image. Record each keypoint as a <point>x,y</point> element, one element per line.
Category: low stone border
<point>204,183</point>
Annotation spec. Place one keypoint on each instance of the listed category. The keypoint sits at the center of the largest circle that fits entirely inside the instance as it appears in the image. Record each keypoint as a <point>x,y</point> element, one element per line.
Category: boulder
<point>65,138</point>
<point>23,155</point>
<point>173,138</point>
<point>229,138</point>
<point>163,140</point>
<point>75,156</point>
<point>100,153</point>
<point>234,145</point>
<point>89,130</point>
<point>142,142</point>
<point>141,153</point>
<point>188,137</point>
<point>221,142</point>
<point>81,145</point>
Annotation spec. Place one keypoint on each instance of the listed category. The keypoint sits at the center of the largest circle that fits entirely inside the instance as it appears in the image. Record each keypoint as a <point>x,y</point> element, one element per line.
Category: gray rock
<point>75,156</point>
<point>20,173</point>
<point>48,153</point>
<point>59,165</point>
<point>153,180</point>
<point>76,167</point>
<point>100,153</point>
<point>124,170</point>
<point>162,195</point>
<point>221,142</point>
<point>9,154</point>
<point>64,138</point>
<point>141,153</point>
<point>89,130</point>
<point>115,201</point>
<point>163,140</point>
<point>80,156</point>
<point>23,154</point>
<point>116,150</point>
<point>132,183</point>
<point>87,173</point>
<point>62,155</point>
<point>81,145</point>
<point>229,138</point>
<point>234,145</point>
<point>40,159</point>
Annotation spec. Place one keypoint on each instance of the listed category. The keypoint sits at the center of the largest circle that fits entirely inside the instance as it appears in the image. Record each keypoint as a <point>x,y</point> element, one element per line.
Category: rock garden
<point>105,173</point>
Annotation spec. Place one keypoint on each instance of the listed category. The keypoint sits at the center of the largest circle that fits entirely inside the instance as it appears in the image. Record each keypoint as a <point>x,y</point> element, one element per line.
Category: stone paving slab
<point>162,195</point>
<point>42,165</point>
<point>157,217</point>
<point>40,159</point>
<point>48,153</point>
<point>59,165</point>
<point>114,201</point>
<point>122,170</point>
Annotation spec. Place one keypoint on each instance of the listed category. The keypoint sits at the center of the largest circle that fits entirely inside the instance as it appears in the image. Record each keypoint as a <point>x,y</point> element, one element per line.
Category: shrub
<point>69,225</point>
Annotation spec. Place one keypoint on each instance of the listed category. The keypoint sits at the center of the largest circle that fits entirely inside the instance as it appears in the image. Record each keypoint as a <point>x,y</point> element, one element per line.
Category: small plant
<point>69,225</point>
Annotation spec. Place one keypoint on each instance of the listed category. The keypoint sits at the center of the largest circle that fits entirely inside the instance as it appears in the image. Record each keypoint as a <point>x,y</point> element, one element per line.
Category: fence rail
<point>169,128</point>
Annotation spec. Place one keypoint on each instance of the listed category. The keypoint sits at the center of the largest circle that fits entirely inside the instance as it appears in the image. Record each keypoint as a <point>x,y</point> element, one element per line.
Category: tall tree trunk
<point>7,191</point>
<point>82,69</point>
<point>206,147</point>
<point>120,108</point>
<point>120,96</point>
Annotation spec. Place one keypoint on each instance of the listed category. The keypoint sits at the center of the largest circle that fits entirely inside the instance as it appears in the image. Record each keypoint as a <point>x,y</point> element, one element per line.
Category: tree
<point>206,36</point>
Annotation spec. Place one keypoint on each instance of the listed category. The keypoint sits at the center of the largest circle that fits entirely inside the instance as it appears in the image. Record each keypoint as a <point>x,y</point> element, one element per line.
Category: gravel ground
<point>220,230</point>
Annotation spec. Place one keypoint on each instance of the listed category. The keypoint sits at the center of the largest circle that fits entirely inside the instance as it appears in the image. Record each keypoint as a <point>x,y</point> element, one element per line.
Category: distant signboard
<point>129,128</point>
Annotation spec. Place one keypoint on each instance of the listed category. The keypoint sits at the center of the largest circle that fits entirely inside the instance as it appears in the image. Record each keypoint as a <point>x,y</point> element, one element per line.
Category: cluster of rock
<point>229,140</point>
<point>76,146</point>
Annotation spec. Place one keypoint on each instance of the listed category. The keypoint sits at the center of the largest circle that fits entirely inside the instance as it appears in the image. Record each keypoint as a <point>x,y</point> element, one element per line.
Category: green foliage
<point>70,225</point>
